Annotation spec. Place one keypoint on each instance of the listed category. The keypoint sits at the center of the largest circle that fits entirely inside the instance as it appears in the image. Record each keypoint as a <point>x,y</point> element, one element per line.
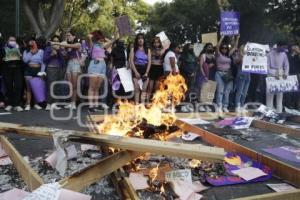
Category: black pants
<point>13,81</point>
<point>53,74</point>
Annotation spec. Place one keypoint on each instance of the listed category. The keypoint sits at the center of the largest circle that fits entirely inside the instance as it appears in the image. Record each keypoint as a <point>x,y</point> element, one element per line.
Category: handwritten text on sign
<point>230,23</point>
<point>176,175</point>
<point>255,59</point>
<point>290,84</point>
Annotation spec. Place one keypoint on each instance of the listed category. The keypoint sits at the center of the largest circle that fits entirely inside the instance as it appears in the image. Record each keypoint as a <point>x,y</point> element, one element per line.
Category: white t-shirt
<point>167,63</point>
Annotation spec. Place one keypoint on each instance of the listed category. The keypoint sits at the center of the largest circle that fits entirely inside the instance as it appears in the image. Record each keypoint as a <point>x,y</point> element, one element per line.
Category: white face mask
<point>12,43</point>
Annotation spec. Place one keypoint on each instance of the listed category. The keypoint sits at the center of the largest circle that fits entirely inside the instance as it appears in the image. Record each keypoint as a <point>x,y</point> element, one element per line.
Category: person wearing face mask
<point>35,67</point>
<point>188,68</point>
<point>278,67</point>
<point>54,61</point>
<point>12,74</point>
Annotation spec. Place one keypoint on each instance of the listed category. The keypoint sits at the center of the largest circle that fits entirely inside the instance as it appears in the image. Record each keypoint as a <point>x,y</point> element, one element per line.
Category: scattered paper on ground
<point>2,151</point>
<point>249,173</point>
<point>14,194</point>
<point>5,161</point>
<point>138,181</point>
<point>281,187</point>
<point>179,175</point>
<point>189,136</point>
<point>194,121</point>
<point>188,190</point>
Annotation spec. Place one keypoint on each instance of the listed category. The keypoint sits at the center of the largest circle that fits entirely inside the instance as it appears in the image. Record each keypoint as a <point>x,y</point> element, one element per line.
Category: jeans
<point>13,81</point>
<point>53,74</point>
<point>242,85</point>
<point>223,90</point>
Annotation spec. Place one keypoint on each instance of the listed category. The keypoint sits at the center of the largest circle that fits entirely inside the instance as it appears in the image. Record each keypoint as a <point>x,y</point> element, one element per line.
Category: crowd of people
<point>99,58</point>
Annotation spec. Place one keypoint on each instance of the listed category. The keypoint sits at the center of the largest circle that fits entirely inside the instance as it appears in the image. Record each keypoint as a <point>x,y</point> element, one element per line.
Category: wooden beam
<point>94,173</point>
<point>277,128</point>
<point>280,169</point>
<point>28,175</point>
<point>195,151</point>
<point>292,195</point>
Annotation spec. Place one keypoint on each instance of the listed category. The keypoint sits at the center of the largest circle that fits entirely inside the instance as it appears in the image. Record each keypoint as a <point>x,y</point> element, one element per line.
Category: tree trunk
<point>42,25</point>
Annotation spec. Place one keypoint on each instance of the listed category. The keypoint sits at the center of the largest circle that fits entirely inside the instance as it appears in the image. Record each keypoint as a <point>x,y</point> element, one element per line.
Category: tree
<point>44,16</point>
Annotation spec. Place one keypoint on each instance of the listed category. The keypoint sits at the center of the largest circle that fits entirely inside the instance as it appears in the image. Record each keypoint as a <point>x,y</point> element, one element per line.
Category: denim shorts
<point>97,67</point>
<point>73,66</point>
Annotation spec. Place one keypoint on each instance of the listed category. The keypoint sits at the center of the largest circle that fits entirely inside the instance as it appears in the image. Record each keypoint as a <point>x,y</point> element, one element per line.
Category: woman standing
<point>243,80</point>
<point>35,67</point>
<point>224,77</point>
<point>54,60</point>
<point>157,70</point>
<point>140,60</point>
<point>207,63</point>
<point>97,67</point>
<point>12,74</point>
<point>170,60</point>
<point>73,65</point>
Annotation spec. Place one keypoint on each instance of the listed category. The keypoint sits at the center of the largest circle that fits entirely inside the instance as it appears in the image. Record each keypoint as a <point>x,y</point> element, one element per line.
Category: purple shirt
<point>98,51</point>
<point>36,58</point>
<point>140,58</point>
<point>223,62</point>
<point>278,63</point>
<point>56,60</point>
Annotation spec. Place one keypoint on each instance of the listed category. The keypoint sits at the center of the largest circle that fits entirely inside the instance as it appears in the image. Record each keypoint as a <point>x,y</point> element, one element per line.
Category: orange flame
<point>170,93</point>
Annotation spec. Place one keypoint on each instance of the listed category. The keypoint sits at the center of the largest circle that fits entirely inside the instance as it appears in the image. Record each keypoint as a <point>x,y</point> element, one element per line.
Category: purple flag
<point>123,25</point>
<point>230,23</point>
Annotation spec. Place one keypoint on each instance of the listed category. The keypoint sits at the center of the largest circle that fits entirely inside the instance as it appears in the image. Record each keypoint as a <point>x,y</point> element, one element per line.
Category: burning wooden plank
<point>29,176</point>
<point>135,144</point>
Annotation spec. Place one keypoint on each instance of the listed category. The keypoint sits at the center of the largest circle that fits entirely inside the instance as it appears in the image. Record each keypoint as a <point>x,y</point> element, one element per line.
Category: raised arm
<point>219,45</point>
<point>236,44</point>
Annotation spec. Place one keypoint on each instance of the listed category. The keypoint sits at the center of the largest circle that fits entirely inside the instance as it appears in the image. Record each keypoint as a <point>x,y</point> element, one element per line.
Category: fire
<point>129,116</point>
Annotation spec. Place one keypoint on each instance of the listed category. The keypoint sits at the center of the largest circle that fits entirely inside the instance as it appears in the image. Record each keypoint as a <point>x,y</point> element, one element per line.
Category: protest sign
<point>210,38</point>
<point>124,26</point>
<point>164,39</point>
<point>290,84</point>
<point>126,79</point>
<point>208,90</point>
<point>230,23</point>
<point>198,47</point>
<point>255,59</point>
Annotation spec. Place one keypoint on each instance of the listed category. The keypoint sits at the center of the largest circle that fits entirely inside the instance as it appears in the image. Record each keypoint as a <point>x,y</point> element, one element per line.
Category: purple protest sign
<point>123,25</point>
<point>230,23</point>
<point>287,152</point>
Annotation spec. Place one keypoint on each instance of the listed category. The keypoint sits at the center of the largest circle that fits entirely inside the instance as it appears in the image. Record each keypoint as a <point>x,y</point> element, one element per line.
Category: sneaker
<point>19,109</point>
<point>8,108</point>
<point>71,106</point>
<point>48,107</point>
<point>225,110</point>
<point>55,107</point>
<point>184,109</point>
<point>36,106</point>
<point>202,109</point>
<point>27,107</point>
<point>208,109</point>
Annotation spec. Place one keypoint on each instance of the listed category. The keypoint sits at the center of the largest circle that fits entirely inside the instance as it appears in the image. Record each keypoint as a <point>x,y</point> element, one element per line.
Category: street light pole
<point>17,18</point>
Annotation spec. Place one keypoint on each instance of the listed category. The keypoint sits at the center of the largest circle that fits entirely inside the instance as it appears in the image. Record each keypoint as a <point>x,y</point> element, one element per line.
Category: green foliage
<point>83,21</point>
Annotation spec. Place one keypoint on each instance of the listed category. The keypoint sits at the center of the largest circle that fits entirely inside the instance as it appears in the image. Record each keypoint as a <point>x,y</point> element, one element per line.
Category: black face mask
<point>121,44</point>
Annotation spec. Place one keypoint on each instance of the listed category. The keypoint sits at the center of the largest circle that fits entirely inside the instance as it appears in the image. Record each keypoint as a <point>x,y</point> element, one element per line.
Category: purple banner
<point>124,26</point>
<point>230,23</point>
<point>286,152</point>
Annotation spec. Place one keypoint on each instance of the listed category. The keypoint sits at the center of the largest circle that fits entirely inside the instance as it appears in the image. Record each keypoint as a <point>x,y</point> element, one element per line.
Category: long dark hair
<point>204,50</point>
<point>221,47</point>
<point>153,41</point>
<point>136,42</point>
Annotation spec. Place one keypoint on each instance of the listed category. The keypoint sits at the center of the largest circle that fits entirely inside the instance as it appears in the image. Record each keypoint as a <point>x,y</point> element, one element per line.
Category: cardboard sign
<point>177,175</point>
<point>255,59</point>
<point>210,38</point>
<point>290,84</point>
<point>208,91</point>
<point>230,23</point>
<point>124,26</point>
<point>198,47</point>
<point>126,79</point>
<point>164,39</point>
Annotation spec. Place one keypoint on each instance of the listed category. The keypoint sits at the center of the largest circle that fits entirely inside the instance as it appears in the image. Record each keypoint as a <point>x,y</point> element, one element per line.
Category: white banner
<point>290,84</point>
<point>255,59</point>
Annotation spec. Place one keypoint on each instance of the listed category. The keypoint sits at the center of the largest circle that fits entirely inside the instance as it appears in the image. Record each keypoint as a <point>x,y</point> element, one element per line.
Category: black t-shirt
<point>119,57</point>
<point>294,62</point>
